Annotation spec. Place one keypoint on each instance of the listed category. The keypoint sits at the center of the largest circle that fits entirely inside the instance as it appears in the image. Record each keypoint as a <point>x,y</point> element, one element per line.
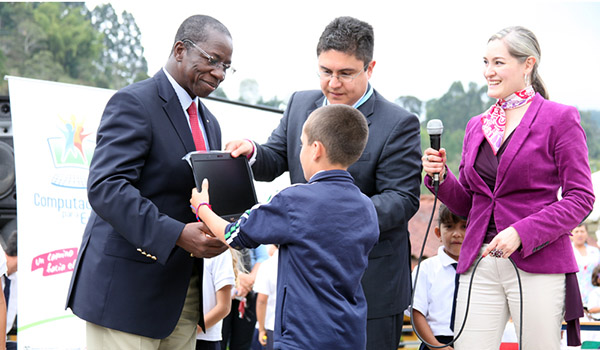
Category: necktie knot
<point>192,110</point>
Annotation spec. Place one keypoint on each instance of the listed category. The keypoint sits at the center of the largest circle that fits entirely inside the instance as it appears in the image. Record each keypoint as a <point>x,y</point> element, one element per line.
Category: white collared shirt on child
<point>434,293</point>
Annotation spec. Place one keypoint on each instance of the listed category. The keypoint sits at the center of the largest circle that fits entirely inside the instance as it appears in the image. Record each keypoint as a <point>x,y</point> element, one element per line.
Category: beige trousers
<point>183,336</point>
<point>495,298</point>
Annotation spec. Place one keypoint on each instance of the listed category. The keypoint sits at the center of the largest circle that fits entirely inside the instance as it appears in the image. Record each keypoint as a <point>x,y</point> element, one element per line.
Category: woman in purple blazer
<point>524,183</point>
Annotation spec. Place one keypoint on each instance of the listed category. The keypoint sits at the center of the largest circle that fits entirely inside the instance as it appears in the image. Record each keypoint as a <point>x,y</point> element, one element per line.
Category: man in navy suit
<point>389,170</point>
<point>138,278</point>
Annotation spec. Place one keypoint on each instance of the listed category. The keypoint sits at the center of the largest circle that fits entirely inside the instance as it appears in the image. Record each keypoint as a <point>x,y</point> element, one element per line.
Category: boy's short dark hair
<point>595,274</point>
<point>343,131</point>
<point>348,35</point>
<point>446,217</point>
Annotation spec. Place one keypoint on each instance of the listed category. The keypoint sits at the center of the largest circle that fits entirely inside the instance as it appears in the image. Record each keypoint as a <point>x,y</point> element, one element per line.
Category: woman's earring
<point>526,80</point>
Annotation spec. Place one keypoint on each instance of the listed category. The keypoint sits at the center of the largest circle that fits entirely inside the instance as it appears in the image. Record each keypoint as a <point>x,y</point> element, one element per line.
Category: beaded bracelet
<point>198,208</point>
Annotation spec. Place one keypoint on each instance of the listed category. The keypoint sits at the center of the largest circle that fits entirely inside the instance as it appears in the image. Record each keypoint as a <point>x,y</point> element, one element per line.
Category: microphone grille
<point>435,127</point>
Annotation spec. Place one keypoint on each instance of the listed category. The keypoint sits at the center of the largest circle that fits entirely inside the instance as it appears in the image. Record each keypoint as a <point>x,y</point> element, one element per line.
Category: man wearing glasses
<point>138,278</point>
<point>389,170</point>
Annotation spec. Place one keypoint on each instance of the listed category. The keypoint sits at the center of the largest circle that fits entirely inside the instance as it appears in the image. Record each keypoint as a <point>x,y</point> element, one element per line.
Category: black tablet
<point>230,182</point>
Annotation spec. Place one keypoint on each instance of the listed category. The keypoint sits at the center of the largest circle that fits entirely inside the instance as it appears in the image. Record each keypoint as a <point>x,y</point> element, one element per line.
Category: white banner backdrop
<point>54,127</point>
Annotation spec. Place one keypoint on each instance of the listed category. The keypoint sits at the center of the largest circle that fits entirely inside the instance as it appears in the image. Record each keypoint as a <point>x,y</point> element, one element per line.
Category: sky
<point>421,47</point>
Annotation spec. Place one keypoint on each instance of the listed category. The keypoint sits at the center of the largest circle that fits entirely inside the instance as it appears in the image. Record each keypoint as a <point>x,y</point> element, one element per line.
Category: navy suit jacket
<point>388,171</point>
<point>130,275</point>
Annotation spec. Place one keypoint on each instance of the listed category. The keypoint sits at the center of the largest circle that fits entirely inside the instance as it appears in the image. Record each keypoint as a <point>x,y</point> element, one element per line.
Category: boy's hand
<point>245,284</point>
<point>199,197</point>
<point>262,337</point>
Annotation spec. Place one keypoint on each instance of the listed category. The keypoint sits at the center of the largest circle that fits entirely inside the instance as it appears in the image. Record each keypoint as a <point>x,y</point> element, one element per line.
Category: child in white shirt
<point>266,288</point>
<point>434,292</point>
<point>593,304</point>
<point>218,280</point>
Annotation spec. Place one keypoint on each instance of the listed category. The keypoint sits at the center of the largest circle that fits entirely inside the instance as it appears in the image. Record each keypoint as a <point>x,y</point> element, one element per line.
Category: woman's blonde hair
<point>521,44</point>
<point>238,266</point>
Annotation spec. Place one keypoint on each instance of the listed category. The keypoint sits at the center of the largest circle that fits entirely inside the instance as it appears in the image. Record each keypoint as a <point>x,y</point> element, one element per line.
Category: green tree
<point>454,109</point>
<point>52,41</point>
<point>274,102</point>
<point>122,61</point>
<point>595,116</point>
<point>593,140</point>
<point>249,91</point>
<point>411,104</point>
<point>219,92</point>
<point>59,42</point>
<point>457,106</point>
<point>70,37</point>
<point>20,39</point>
<point>592,129</point>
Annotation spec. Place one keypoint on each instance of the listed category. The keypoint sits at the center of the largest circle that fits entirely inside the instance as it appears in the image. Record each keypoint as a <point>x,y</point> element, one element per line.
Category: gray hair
<point>522,43</point>
<point>196,28</point>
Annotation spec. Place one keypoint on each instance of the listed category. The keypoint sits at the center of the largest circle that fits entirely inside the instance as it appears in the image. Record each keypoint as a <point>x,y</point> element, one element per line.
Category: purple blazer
<point>547,153</point>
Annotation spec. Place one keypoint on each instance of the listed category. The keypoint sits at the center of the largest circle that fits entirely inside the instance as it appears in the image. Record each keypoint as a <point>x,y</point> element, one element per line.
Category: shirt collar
<point>325,174</point>
<point>368,93</point>
<point>184,98</point>
<point>445,259</point>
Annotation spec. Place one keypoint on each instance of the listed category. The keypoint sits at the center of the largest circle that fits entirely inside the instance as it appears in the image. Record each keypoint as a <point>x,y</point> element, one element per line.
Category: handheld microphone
<point>435,127</point>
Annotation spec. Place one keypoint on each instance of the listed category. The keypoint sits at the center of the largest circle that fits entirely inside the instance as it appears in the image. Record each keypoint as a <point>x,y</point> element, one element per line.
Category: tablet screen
<point>231,186</point>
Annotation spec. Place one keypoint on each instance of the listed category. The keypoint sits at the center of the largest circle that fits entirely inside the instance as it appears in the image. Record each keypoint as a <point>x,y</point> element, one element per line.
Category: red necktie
<point>196,132</point>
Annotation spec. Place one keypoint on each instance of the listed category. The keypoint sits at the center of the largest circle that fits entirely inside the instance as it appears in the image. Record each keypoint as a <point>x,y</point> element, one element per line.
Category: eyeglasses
<point>342,78</point>
<point>212,61</point>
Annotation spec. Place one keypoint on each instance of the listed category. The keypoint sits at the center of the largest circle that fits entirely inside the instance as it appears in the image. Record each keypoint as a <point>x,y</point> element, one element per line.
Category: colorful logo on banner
<point>55,262</point>
<point>71,154</point>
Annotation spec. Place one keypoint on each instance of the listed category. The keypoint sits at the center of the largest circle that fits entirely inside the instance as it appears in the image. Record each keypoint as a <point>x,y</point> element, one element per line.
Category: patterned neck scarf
<point>494,120</point>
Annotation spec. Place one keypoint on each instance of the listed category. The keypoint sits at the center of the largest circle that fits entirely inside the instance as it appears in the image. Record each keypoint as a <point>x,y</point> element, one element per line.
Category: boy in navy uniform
<point>325,230</point>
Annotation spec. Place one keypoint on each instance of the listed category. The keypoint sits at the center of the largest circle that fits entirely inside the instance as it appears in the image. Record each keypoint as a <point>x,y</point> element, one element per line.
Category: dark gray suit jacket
<point>130,275</point>
<point>389,172</point>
